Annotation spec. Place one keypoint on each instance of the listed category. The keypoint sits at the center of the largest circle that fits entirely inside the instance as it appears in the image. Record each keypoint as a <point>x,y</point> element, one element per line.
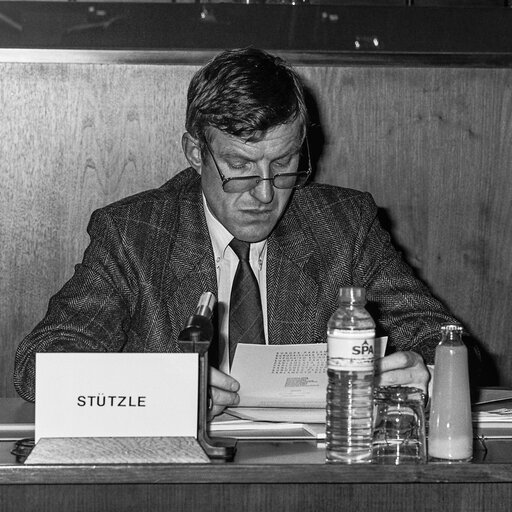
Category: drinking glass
<point>399,426</point>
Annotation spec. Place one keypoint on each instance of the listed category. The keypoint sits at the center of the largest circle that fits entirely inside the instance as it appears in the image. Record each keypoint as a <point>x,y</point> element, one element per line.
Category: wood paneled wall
<point>431,144</point>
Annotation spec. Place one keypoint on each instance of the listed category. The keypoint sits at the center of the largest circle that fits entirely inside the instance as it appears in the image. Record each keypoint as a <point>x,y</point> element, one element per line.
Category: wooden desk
<point>285,476</point>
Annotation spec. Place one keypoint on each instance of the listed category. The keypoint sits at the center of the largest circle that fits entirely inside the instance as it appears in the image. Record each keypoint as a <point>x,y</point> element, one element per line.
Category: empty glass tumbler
<point>399,432</point>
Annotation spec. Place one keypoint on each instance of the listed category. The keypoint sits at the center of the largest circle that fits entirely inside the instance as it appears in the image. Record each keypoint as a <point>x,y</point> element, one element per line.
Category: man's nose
<point>264,191</point>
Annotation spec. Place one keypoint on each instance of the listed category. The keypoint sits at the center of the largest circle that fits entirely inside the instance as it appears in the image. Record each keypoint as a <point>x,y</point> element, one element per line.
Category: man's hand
<point>223,392</point>
<point>402,368</point>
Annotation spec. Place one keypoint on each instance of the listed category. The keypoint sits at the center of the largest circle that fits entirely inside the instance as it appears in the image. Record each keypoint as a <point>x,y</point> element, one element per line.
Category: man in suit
<point>152,255</point>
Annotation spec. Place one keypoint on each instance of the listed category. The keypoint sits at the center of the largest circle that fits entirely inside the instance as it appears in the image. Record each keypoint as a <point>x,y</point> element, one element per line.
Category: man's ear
<point>192,151</point>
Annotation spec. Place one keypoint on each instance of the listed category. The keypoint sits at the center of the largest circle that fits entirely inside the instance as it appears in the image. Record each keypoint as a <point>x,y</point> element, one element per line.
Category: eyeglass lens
<point>241,184</point>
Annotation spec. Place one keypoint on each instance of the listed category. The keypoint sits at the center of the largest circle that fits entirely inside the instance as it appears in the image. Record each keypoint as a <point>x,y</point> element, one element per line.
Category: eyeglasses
<point>281,180</point>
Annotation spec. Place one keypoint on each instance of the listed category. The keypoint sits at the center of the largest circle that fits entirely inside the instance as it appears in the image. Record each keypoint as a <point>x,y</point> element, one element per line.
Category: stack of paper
<point>497,418</point>
<point>492,413</point>
<point>284,384</point>
<point>228,426</point>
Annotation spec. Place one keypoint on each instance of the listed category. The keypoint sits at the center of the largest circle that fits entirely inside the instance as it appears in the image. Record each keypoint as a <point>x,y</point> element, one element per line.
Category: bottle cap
<point>451,327</point>
<point>352,294</point>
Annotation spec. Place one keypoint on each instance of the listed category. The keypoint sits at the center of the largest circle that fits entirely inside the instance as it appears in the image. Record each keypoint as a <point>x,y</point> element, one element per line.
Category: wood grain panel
<point>225,497</point>
<point>73,138</point>
<point>433,147</point>
<point>431,144</point>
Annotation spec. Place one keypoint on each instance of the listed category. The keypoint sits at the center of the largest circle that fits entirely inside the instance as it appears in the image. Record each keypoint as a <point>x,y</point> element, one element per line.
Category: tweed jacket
<point>150,258</point>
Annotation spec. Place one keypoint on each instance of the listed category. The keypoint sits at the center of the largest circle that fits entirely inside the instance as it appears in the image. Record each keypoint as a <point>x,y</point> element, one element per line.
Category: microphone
<point>196,337</point>
<point>199,325</point>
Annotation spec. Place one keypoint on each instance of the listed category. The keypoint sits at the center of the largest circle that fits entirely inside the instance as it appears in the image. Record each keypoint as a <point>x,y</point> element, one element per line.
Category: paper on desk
<point>226,425</point>
<point>493,407</point>
<point>495,424</point>
<point>289,377</point>
<point>501,416</point>
<point>492,413</point>
<point>488,395</point>
<point>280,414</point>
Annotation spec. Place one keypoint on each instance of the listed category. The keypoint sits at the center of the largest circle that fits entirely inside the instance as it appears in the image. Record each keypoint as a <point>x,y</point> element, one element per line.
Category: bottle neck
<point>452,339</point>
<point>351,304</point>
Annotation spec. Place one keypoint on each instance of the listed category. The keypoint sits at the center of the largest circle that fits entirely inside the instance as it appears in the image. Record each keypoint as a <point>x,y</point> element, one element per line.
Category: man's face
<point>253,214</point>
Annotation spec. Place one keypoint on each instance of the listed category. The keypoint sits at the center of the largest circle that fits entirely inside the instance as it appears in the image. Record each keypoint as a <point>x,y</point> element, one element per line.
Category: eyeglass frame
<point>259,178</point>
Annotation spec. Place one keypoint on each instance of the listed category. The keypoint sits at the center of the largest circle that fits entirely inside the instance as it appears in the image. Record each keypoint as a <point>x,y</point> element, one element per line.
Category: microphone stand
<point>196,337</point>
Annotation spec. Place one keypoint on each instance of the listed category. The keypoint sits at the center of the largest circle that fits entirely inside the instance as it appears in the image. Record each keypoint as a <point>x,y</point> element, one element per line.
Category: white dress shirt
<point>226,263</point>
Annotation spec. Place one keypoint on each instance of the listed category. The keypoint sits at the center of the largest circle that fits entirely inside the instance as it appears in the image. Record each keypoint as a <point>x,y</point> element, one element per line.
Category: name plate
<point>116,395</point>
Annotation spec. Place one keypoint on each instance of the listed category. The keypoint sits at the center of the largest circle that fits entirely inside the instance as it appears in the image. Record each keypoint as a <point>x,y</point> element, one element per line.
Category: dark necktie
<point>245,314</point>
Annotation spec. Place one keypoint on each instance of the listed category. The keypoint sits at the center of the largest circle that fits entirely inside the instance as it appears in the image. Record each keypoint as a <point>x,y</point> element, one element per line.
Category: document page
<point>281,375</point>
<point>284,382</point>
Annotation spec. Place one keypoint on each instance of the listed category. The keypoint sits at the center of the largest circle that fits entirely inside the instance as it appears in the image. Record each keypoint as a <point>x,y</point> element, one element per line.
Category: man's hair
<point>244,93</point>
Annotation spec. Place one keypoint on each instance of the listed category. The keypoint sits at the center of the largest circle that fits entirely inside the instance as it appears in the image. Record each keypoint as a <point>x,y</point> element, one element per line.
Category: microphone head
<point>206,304</point>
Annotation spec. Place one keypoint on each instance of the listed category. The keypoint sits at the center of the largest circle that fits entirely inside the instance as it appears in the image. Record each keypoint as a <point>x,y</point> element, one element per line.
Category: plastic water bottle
<point>450,437</point>
<point>350,371</point>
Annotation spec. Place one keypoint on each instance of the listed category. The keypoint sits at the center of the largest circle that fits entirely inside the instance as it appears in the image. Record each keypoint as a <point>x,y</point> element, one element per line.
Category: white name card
<point>116,395</point>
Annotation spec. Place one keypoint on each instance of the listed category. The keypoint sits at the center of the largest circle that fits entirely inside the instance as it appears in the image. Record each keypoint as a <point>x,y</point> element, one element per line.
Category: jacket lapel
<point>292,291</point>
<point>191,259</point>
